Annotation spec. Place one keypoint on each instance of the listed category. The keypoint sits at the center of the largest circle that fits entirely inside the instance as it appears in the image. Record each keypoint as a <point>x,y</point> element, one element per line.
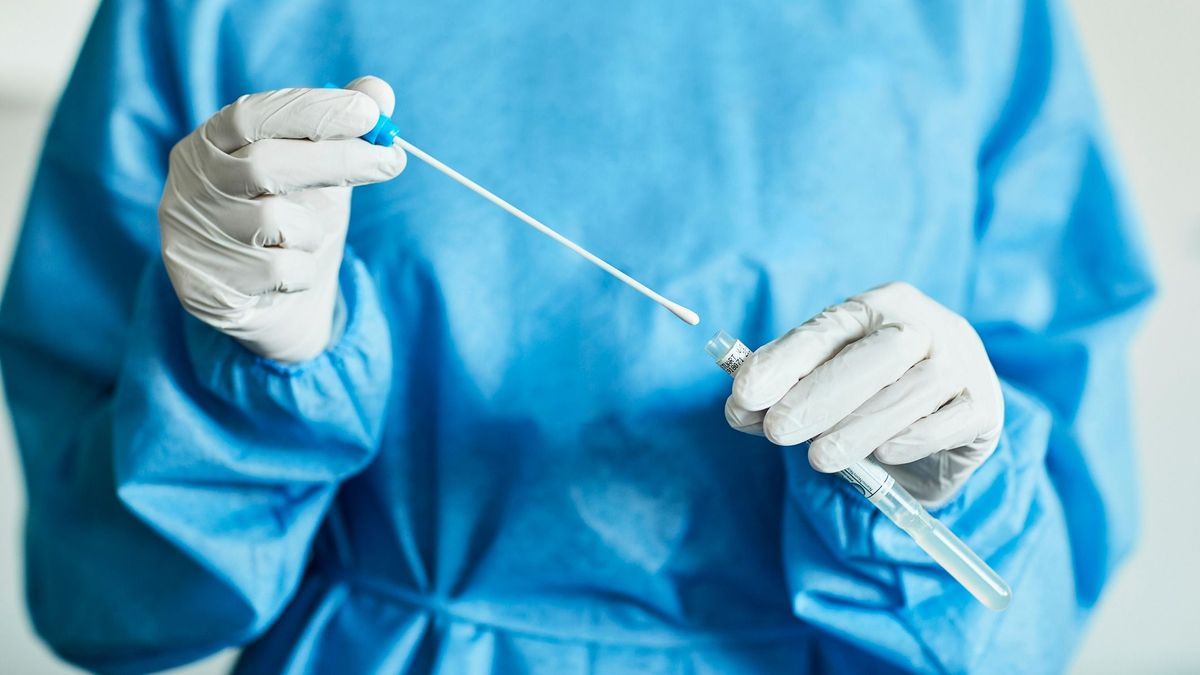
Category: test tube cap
<point>719,345</point>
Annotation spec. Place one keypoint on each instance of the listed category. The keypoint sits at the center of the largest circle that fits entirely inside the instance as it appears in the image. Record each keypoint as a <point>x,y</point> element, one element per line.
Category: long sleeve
<point>1059,284</point>
<point>174,480</point>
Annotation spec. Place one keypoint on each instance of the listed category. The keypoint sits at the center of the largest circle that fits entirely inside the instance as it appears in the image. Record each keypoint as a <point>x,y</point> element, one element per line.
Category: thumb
<point>378,90</point>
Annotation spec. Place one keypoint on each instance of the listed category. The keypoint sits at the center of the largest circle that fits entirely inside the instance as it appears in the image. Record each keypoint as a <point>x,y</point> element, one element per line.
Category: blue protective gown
<point>509,463</point>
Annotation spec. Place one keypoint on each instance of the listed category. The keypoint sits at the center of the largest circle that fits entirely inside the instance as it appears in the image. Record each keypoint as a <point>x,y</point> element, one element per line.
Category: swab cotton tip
<point>686,315</point>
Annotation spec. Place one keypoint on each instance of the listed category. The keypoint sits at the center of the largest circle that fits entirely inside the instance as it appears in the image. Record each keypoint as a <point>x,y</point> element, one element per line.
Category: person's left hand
<point>889,372</point>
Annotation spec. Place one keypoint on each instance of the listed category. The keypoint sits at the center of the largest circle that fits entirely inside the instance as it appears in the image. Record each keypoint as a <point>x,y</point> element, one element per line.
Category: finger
<point>919,392</point>
<point>379,91</point>
<point>835,388</point>
<point>260,271</point>
<point>301,220</point>
<point>747,421</point>
<point>286,221</point>
<point>209,298</point>
<point>312,114</point>
<point>290,221</point>
<point>283,166</point>
<point>772,370</point>
<point>953,426</point>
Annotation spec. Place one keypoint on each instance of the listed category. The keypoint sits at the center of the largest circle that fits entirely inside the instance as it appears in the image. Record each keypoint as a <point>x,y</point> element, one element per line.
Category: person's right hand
<point>255,210</point>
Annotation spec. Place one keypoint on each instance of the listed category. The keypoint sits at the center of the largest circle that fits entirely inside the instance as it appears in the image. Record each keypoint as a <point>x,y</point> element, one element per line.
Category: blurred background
<point>1145,59</point>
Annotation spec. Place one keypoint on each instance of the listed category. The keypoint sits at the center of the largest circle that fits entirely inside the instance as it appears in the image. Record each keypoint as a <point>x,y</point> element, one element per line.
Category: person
<point>411,436</point>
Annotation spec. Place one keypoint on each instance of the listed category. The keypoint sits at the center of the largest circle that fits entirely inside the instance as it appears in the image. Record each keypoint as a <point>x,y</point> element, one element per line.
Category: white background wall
<point>1146,61</point>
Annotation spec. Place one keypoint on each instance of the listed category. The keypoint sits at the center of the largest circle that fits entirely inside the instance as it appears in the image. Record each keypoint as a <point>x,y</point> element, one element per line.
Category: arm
<point>174,479</point>
<point>1059,285</point>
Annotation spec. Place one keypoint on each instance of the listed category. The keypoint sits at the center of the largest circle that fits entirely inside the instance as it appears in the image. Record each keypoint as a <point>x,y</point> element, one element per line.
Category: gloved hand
<point>889,372</point>
<point>256,206</point>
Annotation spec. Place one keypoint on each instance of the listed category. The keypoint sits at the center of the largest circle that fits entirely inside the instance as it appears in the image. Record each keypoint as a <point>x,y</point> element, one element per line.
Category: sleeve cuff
<point>340,392</point>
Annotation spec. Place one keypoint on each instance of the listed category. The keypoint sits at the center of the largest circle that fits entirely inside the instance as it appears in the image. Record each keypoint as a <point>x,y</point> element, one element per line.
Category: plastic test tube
<point>878,486</point>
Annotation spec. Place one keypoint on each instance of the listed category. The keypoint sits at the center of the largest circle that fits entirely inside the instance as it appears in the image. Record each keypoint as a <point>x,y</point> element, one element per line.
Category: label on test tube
<point>868,478</point>
<point>735,358</point>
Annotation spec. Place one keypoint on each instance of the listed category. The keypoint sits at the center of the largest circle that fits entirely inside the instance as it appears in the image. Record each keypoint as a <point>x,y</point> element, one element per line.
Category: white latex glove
<point>255,210</point>
<point>889,372</point>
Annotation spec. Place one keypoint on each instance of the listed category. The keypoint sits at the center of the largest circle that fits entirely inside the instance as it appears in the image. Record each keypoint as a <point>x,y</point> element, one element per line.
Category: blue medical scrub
<point>509,463</point>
